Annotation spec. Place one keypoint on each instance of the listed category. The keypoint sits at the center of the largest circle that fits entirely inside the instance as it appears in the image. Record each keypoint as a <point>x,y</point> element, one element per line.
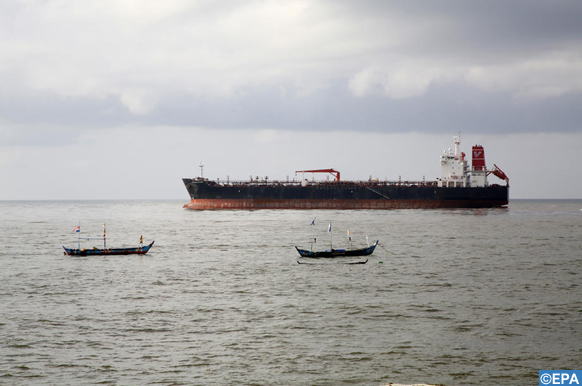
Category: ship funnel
<point>478,162</point>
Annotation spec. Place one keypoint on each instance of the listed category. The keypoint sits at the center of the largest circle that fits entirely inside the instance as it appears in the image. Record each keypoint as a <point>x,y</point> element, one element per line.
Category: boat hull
<point>209,204</point>
<point>206,195</point>
<point>108,251</point>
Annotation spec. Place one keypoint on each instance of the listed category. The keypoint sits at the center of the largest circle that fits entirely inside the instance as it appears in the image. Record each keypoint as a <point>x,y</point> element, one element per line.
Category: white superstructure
<point>455,170</point>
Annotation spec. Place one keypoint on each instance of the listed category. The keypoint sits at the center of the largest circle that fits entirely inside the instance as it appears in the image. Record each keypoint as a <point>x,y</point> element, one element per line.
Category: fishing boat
<point>338,252</point>
<point>140,250</point>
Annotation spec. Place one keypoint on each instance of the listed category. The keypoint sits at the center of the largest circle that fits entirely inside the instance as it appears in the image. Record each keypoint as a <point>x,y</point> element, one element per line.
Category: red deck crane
<point>335,173</point>
<point>499,173</point>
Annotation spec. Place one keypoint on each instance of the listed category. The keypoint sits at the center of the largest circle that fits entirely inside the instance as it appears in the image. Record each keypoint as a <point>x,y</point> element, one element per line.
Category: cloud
<point>286,63</point>
<point>399,80</point>
<point>551,76</point>
<point>138,101</point>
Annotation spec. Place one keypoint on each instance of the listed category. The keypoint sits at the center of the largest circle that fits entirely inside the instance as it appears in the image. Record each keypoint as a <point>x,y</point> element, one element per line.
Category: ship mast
<point>457,142</point>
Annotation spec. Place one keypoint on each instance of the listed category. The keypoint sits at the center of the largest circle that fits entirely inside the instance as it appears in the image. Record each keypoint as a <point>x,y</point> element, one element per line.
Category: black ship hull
<point>206,194</point>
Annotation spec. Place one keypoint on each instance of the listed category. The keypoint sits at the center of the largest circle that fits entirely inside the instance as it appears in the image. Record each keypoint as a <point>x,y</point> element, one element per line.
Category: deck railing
<point>368,183</point>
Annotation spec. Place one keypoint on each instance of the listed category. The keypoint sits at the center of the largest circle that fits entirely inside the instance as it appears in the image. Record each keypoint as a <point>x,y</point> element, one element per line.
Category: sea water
<point>456,297</point>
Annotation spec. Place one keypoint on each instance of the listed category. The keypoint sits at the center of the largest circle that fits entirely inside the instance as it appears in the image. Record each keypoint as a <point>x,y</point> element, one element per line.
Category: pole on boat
<point>78,230</point>
<point>313,233</point>
<point>104,238</point>
<point>330,236</point>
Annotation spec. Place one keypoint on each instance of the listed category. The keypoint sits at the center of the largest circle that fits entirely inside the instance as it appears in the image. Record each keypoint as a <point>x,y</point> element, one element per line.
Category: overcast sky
<point>120,99</point>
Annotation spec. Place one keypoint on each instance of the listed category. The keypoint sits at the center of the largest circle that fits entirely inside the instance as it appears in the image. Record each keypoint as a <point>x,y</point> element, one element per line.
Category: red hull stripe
<point>203,204</point>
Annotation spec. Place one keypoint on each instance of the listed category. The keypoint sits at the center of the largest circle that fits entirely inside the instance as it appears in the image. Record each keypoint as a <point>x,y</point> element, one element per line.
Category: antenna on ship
<point>201,170</point>
<point>457,142</point>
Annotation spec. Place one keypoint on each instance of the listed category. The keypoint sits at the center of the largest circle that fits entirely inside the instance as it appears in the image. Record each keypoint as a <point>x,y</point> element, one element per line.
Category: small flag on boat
<point>313,222</point>
<point>77,229</point>
<point>329,228</point>
<point>141,239</point>
<point>349,235</point>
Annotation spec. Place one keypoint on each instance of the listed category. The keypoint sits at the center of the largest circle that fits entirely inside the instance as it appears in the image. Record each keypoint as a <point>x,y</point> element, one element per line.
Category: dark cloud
<point>477,29</point>
<point>374,66</point>
<point>442,109</point>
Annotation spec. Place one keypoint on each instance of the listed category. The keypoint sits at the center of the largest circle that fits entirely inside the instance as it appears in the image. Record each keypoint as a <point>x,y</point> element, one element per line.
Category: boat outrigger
<point>141,250</point>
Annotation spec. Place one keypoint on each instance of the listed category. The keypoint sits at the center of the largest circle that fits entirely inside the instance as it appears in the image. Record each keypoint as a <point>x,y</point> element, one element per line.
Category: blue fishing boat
<point>338,252</point>
<point>140,250</point>
<point>335,252</point>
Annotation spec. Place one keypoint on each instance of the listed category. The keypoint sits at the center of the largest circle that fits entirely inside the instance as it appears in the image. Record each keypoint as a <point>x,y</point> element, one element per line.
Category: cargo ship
<point>459,186</point>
